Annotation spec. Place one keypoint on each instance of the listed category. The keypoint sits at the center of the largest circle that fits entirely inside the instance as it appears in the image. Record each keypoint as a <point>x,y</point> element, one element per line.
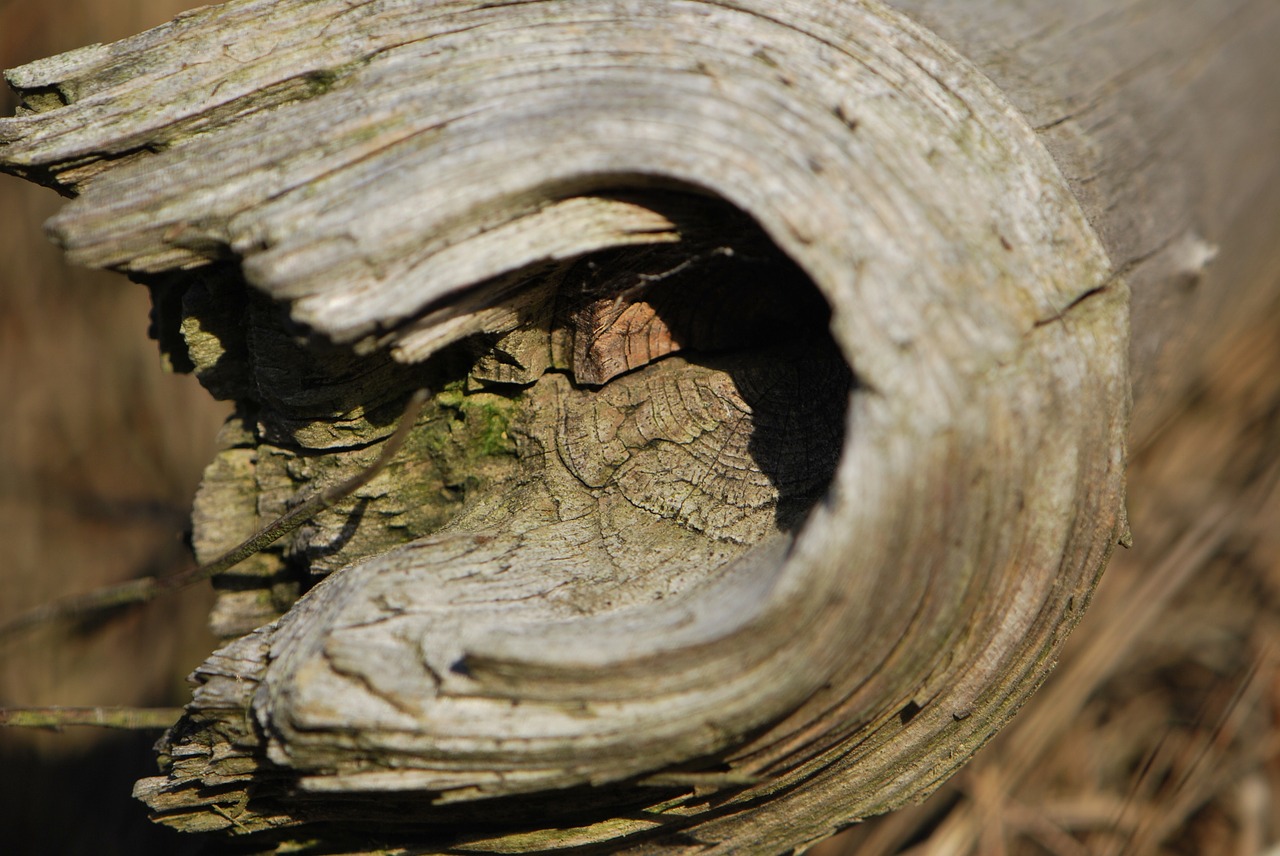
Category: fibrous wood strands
<point>780,394</point>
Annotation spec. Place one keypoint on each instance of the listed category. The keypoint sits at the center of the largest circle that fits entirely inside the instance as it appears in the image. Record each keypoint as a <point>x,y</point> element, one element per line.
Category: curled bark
<point>778,431</point>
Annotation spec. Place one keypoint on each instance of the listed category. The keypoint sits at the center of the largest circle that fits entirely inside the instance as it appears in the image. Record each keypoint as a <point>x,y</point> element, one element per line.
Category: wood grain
<point>782,385</point>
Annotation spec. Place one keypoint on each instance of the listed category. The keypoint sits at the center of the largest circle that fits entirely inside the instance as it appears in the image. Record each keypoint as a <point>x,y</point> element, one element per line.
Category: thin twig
<point>131,718</point>
<point>148,588</point>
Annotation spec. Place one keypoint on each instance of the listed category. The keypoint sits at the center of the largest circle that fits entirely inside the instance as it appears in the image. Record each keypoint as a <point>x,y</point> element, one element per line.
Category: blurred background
<point>1155,735</point>
<point>100,454</point>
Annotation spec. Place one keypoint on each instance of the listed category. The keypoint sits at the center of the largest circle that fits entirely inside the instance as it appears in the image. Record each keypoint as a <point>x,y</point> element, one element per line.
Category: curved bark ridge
<point>588,545</point>
<point>639,495</point>
<point>690,555</point>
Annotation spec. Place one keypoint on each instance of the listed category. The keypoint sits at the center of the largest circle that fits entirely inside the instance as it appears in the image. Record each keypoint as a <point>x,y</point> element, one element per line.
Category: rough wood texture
<point>781,385</point>
<point>1164,119</point>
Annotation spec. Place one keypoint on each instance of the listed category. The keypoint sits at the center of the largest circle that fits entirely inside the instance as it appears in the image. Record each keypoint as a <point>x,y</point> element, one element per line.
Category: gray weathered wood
<point>781,363</point>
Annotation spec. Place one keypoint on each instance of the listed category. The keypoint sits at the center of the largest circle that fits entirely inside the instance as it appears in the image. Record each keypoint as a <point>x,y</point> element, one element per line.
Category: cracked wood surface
<point>780,373</point>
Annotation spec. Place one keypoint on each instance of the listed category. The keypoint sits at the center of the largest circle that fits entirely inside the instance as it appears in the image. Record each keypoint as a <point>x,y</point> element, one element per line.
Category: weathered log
<point>780,355</point>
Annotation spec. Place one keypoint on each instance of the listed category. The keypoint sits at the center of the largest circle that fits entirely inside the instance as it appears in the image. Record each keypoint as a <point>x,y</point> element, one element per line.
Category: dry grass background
<point>100,453</point>
<point>1157,734</point>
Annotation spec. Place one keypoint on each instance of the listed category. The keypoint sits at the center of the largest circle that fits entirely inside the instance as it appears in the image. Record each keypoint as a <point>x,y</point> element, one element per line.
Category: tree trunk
<point>781,368</point>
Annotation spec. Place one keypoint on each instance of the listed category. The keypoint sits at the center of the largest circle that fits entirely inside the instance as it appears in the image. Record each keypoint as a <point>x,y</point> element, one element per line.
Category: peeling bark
<point>780,389</point>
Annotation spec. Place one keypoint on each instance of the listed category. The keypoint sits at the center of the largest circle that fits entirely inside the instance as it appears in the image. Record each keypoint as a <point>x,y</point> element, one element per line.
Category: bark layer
<point>781,393</point>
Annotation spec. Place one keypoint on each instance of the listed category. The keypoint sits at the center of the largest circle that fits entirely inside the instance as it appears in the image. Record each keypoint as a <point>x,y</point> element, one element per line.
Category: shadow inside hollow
<point>726,297</point>
<point>350,524</point>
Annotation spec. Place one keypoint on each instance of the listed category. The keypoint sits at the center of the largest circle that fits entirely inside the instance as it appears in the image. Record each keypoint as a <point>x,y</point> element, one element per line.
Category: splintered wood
<point>780,372</point>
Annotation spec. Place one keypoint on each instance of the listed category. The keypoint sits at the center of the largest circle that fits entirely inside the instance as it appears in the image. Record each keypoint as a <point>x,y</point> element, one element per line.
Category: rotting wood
<point>678,272</point>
